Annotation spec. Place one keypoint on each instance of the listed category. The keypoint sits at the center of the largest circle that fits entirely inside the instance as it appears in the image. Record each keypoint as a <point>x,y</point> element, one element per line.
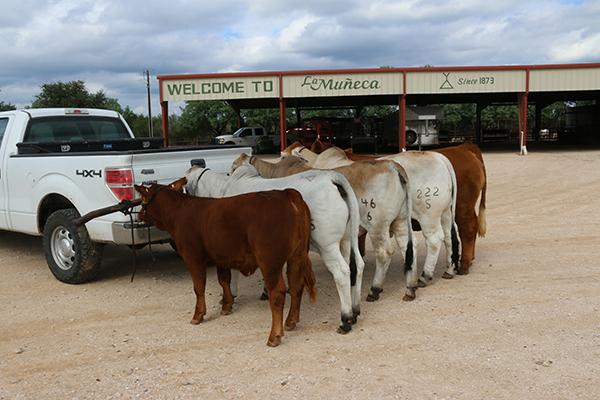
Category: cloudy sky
<point>109,43</point>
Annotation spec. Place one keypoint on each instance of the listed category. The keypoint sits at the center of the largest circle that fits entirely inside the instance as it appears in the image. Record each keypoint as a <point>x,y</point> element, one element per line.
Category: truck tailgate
<point>165,167</point>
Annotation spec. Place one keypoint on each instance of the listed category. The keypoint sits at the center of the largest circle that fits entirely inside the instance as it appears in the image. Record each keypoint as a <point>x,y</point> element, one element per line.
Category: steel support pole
<point>402,122</point>
<point>164,106</point>
<point>478,132</point>
<point>282,125</point>
<point>525,119</point>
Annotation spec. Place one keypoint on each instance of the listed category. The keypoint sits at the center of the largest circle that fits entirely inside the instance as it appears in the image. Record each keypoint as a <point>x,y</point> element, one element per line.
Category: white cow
<point>334,219</point>
<point>433,190</point>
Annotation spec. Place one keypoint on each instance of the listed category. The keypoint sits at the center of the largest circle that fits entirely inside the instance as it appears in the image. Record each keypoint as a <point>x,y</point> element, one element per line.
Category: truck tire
<point>70,253</point>
<point>411,137</point>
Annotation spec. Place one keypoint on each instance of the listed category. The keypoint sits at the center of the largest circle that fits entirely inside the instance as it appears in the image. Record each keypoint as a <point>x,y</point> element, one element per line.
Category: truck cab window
<point>246,132</point>
<point>50,129</point>
<point>3,124</point>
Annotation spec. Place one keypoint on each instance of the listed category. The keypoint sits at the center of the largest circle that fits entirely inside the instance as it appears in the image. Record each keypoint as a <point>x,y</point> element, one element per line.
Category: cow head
<point>241,160</point>
<point>288,151</point>
<point>178,185</point>
<point>149,213</point>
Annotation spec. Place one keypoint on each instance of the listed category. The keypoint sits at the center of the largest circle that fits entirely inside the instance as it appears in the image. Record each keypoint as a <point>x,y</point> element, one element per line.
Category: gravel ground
<point>524,324</point>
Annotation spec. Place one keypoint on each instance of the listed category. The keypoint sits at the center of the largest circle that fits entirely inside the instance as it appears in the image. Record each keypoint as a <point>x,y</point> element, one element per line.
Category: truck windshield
<point>80,128</point>
<point>242,132</point>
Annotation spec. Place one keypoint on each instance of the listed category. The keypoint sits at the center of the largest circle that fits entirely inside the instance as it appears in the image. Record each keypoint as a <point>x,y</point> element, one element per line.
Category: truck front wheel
<point>71,255</point>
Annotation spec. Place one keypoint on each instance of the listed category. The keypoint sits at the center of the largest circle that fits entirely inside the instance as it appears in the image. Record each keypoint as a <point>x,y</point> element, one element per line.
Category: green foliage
<point>72,94</point>
<point>459,118</point>
<point>267,118</point>
<point>202,120</point>
<point>7,106</point>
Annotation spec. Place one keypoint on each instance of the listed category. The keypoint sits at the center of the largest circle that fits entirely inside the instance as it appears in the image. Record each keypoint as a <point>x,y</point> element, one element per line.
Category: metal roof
<point>375,86</point>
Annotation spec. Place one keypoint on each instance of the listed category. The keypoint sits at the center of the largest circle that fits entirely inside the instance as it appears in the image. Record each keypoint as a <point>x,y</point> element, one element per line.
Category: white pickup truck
<point>58,164</point>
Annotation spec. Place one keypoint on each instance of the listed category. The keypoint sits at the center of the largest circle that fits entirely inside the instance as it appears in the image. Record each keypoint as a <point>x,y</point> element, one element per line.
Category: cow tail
<point>453,231</point>
<point>409,257</point>
<point>481,216</point>
<point>353,220</point>
<point>306,270</point>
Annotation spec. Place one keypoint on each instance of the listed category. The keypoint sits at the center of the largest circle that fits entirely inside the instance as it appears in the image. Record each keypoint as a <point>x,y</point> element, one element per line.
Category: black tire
<point>411,137</point>
<point>70,253</point>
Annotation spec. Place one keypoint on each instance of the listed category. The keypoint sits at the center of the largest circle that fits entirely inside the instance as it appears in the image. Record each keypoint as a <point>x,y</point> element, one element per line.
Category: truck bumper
<point>141,234</point>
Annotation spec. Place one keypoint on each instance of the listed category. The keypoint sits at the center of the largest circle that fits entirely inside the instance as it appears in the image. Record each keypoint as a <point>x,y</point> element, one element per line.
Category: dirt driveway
<point>525,324</point>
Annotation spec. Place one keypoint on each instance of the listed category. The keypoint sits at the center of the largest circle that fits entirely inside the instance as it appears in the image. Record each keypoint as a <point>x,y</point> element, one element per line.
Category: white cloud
<point>109,43</point>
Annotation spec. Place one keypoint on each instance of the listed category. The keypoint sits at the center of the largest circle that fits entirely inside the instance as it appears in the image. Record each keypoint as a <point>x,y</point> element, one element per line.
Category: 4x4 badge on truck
<point>89,173</point>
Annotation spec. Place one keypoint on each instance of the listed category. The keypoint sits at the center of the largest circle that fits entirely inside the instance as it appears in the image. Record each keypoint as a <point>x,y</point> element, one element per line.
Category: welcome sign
<point>220,89</point>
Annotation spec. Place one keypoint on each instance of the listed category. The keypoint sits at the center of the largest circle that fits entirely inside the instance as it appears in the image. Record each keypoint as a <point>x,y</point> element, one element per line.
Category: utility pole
<point>150,130</point>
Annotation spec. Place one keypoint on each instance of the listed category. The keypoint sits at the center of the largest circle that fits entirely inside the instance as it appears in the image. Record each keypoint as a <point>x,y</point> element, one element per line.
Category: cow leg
<point>337,266</point>
<point>296,286</point>
<point>452,244</point>
<point>434,236</point>
<point>235,277</point>
<point>468,235</point>
<point>276,287</point>
<point>383,256</point>
<point>362,241</point>
<point>224,276</point>
<point>356,275</point>
<point>198,271</point>
<point>399,230</point>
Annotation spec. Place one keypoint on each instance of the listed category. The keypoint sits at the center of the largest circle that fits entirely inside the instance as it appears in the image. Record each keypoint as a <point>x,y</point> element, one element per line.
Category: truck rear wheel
<point>411,137</point>
<point>70,253</point>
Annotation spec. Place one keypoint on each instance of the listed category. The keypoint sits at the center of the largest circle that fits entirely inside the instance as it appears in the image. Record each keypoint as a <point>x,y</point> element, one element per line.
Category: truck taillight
<point>120,183</point>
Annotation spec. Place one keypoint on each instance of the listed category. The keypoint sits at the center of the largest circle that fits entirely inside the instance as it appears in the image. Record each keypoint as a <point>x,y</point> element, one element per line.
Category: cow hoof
<point>447,275</point>
<point>425,280</point>
<point>290,326</point>
<point>226,312</point>
<point>264,296</point>
<point>374,294</point>
<point>195,321</point>
<point>344,329</point>
<point>421,284</point>
<point>463,271</point>
<point>410,294</point>
<point>274,342</point>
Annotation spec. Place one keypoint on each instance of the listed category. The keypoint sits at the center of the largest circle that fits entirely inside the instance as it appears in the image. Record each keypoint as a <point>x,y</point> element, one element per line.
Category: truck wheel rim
<point>63,248</point>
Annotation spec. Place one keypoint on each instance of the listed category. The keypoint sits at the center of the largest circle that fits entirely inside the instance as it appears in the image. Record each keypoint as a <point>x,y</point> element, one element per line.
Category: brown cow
<point>262,230</point>
<point>471,180</point>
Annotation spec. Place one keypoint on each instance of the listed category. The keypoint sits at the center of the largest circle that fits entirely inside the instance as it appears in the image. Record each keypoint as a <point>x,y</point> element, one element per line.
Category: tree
<point>202,120</point>
<point>6,106</point>
<point>267,118</point>
<point>73,94</point>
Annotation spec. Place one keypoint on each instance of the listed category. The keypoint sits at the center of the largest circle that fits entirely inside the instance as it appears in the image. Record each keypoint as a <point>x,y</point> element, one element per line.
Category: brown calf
<point>262,230</point>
